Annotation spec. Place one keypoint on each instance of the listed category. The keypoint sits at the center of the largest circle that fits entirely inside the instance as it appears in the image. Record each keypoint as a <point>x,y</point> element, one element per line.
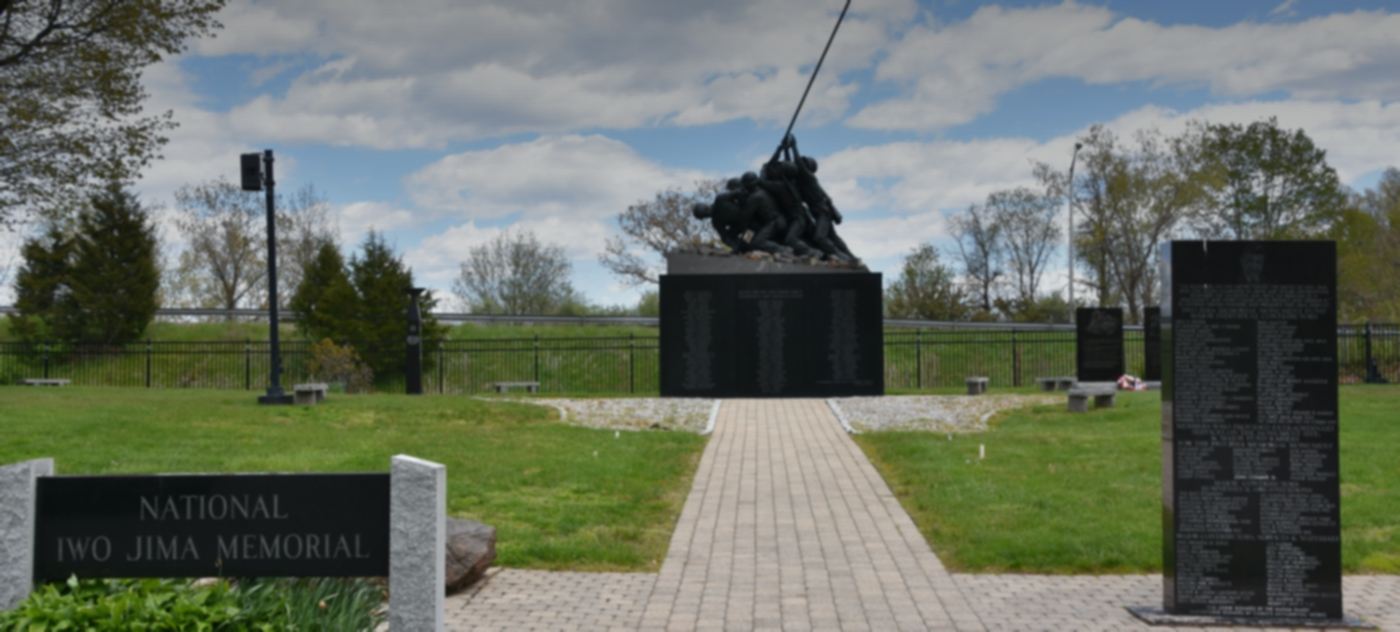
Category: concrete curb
<point>841,417</point>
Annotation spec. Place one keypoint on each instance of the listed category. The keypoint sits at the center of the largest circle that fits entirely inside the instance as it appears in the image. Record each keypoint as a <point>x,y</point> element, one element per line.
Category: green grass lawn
<point>561,497</point>
<point>1061,493</point>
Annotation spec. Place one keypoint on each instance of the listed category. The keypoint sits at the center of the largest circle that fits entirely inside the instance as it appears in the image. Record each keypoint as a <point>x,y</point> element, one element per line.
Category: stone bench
<point>1048,384</point>
<point>1065,382</point>
<point>1104,396</point>
<point>505,387</point>
<point>307,394</point>
<point>34,381</point>
<point>977,385</point>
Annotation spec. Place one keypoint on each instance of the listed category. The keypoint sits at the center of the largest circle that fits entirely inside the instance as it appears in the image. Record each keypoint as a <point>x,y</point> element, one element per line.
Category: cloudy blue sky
<point>444,122</point>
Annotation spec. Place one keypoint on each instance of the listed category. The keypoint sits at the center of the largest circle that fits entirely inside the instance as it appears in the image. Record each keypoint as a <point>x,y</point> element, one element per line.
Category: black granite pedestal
<point>789,334</point>
<point>1251,498</point>
<point>1098,344</point>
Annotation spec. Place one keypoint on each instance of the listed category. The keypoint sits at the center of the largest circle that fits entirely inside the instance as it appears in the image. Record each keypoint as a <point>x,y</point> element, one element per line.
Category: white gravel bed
<point>632,413</point>
<point>932,413</point>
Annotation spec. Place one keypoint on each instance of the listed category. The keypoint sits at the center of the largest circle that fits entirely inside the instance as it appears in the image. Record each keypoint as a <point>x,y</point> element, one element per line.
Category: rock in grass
<point>471,548</point>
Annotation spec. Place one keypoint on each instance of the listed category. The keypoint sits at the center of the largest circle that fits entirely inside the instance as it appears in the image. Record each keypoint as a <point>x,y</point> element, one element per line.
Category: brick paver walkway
<point>788,526</point>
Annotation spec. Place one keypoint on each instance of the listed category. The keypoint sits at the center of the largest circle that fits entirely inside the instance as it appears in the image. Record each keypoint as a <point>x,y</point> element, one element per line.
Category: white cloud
<point>452,70</point>
<point>955,72</point>
<point>578,177</point>
<point>356,219</point>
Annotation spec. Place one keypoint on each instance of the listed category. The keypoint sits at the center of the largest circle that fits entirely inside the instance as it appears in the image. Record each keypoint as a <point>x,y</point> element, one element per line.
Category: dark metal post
<point>1373,373</point>
<point>46,348</point>
<point>441,369</point>
<point>414,365</point>
<point>537,358</point>
<point>274,395</point>
<point>247,364</point>
<point>919,358</point>
<point>1015,361</point>
<point>148,363</point>
<point>632,362</point>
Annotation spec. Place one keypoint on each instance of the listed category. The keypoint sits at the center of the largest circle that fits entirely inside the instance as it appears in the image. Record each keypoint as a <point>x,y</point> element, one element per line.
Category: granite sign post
<point>1251,499</point>
<point>1152,344</point>
<point>18,491</point>
<point>1098,344</point>
<point>236,525</point>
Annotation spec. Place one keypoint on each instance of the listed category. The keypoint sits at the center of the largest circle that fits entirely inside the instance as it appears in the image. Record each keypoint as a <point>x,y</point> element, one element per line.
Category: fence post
<point>441,385</point>
<point>148,363</point>
<point>1015,361</point>
<point>46,359</point>
<point>632,362</point>
<point>918,358</point>
<point>1373,374</point>
<point>537,358</point>
<point>247,364</point>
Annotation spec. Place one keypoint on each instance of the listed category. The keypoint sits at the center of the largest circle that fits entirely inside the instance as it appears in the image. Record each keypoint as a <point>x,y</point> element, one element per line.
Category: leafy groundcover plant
<point>157,605</point>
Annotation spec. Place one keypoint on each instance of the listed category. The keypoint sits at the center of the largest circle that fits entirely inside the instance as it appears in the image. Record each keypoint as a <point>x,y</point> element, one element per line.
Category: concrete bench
<point>1048,384</point>
<point>307,394</point>
<point>1065,382</point>
<point>34,381</point>
<point>505,387</point>
<point>977,385</point>
<point>1103,394</point>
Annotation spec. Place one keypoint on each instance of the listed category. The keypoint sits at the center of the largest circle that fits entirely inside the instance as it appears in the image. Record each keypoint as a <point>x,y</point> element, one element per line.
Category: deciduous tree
<point>926,289</point>
<point>980,248</point>
<point>651,228</point>
<point>1026,218</point>
<point>1265,182</point>
<point>515,273</point>
<point>72,115</point>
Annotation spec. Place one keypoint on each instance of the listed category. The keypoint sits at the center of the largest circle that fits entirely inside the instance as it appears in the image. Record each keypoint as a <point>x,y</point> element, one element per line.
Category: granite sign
<point>1098,344</point>
<point>1252,526</point>
<point>295,525</point>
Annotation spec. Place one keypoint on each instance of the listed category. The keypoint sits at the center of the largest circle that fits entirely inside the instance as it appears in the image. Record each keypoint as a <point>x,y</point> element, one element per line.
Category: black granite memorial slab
<point>1098,344</point>
<point>1251,499</point>
<point>771,335</point>
<point>254,525</point>
<point>1152,344</point>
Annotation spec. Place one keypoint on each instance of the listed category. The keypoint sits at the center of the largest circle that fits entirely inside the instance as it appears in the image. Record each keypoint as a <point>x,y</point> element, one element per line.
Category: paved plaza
<point>789,527</point>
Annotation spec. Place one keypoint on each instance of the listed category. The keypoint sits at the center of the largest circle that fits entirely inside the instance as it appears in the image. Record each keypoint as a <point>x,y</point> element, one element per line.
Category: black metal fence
<point>914,359</point>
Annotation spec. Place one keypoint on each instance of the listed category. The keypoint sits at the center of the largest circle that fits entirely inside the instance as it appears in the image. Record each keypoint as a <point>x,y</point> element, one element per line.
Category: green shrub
<point>158,605</point>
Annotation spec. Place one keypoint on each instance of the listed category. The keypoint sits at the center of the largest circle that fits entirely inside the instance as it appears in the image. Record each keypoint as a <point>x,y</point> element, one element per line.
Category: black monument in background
<point>1251,502</point>
<point>772,335</point>
<point>1098,344</point>
<point>1152,344</point>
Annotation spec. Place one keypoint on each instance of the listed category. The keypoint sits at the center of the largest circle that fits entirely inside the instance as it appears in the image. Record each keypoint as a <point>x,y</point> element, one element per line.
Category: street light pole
<point>1069,202</point>
<point>259,177</point>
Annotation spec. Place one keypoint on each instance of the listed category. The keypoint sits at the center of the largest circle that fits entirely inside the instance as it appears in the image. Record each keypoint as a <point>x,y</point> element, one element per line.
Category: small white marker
<point>617,434</point>
<point>981,451</point>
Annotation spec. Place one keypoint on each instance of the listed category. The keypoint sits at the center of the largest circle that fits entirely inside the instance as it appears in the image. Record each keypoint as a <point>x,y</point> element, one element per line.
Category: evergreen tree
<point>114,279</point>
<point>324,303</point>
<point>380,326</point>
<point>42,277</point>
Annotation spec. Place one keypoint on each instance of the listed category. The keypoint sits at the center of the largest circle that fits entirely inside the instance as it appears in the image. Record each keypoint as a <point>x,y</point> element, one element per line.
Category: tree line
<point>1128,195</point>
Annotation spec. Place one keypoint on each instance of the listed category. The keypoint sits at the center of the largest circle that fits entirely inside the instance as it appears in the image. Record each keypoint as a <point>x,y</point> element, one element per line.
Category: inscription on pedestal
<point>843,346</point>
<point>1098,344</point>
<point>1251,494</point>
<point>772,335</point>
<point>698,358</point>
